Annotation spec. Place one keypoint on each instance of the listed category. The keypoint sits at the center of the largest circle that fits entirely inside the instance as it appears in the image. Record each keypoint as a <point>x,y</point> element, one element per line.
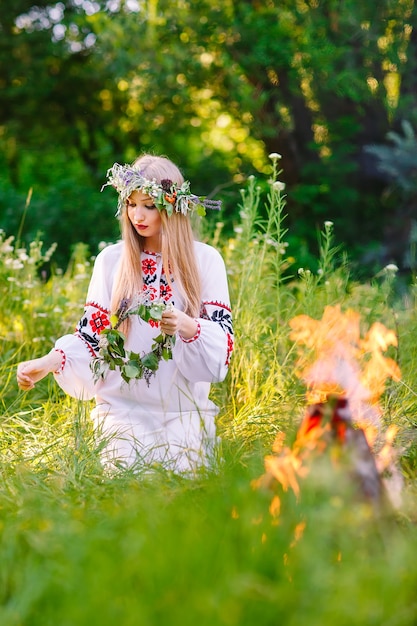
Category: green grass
<point>160,549</point>
<point>81,547</point>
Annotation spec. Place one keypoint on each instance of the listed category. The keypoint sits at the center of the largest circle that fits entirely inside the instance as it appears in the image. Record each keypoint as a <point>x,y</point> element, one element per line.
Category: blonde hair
<point>177,247</point>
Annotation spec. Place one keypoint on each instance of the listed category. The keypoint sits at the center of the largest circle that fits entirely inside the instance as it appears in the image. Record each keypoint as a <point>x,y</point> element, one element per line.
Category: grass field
<point>81,547</point>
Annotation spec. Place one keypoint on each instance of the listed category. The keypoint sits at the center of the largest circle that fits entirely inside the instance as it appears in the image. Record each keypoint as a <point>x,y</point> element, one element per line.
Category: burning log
<point>334,420</point>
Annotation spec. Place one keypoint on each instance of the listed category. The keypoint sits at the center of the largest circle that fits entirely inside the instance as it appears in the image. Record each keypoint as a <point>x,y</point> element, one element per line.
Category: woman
<point>160,413</point>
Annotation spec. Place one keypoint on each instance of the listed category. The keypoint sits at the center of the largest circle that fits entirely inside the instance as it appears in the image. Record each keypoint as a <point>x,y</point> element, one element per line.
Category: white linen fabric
<point>170,419</point>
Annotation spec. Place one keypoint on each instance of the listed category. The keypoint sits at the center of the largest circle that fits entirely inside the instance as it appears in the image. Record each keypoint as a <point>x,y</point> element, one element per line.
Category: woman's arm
<point>202,351</point>
<point>31,372</point>
<point>71,359</point>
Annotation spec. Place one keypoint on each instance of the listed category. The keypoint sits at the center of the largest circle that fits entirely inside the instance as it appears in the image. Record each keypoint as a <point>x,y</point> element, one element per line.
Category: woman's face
<point>145,219</point>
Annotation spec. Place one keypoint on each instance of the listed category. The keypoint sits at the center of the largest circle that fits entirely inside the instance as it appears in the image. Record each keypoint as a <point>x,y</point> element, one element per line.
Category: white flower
<point>278,185</point>
<point>391,267</point>
<point>275,156</point>
<point>103,342</point>
<point>328,224</point>
<point>15,264</point>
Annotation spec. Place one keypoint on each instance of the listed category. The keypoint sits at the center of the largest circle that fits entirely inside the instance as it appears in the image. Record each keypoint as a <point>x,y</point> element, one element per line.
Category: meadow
<point>79,546</point>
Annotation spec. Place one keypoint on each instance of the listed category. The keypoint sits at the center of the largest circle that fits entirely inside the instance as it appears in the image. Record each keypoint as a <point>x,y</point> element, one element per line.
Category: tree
<point>216,86</point>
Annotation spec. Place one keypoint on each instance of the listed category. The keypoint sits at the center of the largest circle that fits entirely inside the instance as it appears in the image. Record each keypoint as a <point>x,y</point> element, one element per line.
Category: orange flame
<point>334,360</point>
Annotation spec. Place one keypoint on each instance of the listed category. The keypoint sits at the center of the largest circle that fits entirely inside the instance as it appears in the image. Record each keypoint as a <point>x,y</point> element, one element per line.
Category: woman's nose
<point>138,214</point>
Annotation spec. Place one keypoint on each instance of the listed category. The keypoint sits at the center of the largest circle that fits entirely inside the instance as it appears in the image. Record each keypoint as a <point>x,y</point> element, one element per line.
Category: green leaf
<point>150,361</point>
<point>131,370</point>
<point>159,339</point>
<point>156,311</point>
<point>114,336</point>
<point>166,354</point>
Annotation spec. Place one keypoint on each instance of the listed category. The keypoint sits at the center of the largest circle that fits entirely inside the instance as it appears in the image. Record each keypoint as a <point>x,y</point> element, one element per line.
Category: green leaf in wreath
<point>114,337</point>
<point>150,361</point>
<point>131,370</point>
<point>156,310</point>
<point>166,354</point>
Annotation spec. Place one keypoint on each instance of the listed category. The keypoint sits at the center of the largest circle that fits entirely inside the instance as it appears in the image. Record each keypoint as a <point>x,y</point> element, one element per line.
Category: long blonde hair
<point>177,246</point>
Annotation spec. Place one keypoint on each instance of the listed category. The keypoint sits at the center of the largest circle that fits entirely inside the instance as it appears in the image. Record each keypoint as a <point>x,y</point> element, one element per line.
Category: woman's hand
<point>31,372</point>
<point>174,321</point>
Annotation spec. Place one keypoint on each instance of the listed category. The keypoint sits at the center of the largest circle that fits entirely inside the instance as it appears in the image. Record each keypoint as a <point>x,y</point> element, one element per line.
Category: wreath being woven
<point>112,354</point>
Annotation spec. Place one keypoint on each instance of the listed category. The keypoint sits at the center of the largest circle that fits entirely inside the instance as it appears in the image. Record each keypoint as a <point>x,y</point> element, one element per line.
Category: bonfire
<point>345,376</point>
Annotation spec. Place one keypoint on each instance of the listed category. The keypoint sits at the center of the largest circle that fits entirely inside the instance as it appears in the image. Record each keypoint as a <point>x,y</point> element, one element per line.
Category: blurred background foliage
<point>330,85</point>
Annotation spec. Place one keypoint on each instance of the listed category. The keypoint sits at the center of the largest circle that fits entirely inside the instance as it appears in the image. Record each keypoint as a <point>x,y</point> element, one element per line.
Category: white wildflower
<point>103,342</point>
<point>278,185</point>
<point>275,156</point>
<point>14,264</point>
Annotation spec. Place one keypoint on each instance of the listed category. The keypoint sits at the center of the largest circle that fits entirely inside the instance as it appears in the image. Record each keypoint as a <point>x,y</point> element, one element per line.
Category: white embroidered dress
<point>171,419</point>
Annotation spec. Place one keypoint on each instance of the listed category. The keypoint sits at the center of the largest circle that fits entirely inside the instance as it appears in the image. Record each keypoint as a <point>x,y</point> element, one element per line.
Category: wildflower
<point>14,264</point>
<point>271,242</point>
<point>6,246</point>
<point>278,185</point>
<point>328,224</point>
<point>391,268</point>
<point>275,156</point>
<point>103,342</point>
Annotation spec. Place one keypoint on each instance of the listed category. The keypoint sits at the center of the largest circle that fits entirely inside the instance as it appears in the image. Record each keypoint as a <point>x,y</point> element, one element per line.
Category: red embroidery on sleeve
<point>196,336</point>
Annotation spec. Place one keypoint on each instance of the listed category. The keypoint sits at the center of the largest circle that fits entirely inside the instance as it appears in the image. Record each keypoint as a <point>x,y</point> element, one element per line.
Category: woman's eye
<point>150,206</point>
<point>129,204</point>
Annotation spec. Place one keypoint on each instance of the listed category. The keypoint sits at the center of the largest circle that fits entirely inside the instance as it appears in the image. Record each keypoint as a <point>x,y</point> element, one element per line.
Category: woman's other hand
<point>174,321</point>
<point>31,372</point>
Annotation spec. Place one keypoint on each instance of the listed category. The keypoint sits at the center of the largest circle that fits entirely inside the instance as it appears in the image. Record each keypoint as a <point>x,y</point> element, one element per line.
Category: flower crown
<point>166,194</point>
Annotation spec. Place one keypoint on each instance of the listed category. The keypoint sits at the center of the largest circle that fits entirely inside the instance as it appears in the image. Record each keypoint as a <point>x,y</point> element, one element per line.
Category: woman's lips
<point>141,227</point>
